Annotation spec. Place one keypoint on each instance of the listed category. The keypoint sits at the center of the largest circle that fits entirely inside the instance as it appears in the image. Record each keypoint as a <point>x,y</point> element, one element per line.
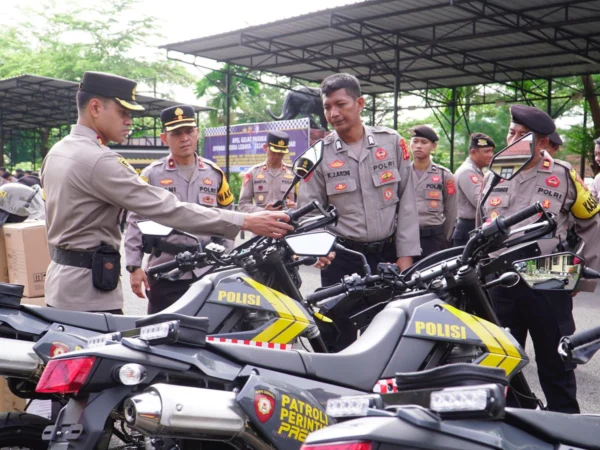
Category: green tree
<point>214,86</point>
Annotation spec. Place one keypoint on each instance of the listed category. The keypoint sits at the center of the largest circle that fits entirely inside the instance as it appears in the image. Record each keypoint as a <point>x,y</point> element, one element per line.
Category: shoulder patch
<point>404,148</point>
<point>125,163</point>
<point>224,196</point>
<point>382,130</point>
<point>586,206</point>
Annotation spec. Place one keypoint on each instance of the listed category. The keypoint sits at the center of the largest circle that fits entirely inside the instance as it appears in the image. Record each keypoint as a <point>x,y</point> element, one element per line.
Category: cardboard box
<point>37,301</point>
<point>27,255</point>
<point>8,401</point>
<point>3,263</point>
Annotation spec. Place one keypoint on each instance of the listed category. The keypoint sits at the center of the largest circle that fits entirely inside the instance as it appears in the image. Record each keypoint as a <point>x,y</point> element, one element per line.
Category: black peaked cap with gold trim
<point>278,141</point>
<point>121,89</point>
<point>178,116</point>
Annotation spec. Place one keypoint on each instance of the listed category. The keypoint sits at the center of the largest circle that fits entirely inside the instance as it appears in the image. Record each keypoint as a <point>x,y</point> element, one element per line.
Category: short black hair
<point>6,175</point>
<point>83,98</point>
<point>597,141</point>
<point>341,81</point>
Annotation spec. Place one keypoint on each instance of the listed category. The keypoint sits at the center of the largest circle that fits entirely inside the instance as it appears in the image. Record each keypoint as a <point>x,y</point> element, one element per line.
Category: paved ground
<point>587,315</point>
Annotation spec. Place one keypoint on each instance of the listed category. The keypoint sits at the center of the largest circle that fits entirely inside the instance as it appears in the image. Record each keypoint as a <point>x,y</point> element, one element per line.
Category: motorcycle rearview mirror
<point>303,166</point>
<point>317,243</point>
<point>151,228</point>
<point>508,162</point>
<point>559,271</point>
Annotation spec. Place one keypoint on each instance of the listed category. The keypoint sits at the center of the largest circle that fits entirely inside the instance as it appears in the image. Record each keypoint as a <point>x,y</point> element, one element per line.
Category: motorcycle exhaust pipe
<point>18,358</point>
<point>185,412</point>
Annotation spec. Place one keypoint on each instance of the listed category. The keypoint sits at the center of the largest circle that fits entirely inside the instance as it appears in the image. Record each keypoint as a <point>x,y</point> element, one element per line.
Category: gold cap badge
<point>133,93</point>
<point>179,113</point>
<point>482,142</point>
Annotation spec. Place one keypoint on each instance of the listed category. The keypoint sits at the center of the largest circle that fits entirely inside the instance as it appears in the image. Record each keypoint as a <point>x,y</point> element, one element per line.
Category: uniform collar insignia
<point>338,144</point>
<point>200,164</point>
<point>370,139</point>
<point>171,163</point>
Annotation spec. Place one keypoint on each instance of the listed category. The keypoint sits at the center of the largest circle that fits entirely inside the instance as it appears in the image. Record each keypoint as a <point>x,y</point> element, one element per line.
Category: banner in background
<point>246,142</point>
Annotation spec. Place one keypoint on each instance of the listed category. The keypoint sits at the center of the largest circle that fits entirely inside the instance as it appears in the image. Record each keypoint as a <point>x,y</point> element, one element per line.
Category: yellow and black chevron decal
<point>502,352</point>
<point>453,325</point>
<point>291,322</point>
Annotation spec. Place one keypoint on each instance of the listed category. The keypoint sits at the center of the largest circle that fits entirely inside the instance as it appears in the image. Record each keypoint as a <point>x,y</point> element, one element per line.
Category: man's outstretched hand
<point>268,223</point>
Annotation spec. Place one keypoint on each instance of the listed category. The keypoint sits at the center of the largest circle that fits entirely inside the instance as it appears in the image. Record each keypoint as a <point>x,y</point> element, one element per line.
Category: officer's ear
<point>95,106</point>
<point>434,146</point>
<point>361,103</point>
<point>163,137</point>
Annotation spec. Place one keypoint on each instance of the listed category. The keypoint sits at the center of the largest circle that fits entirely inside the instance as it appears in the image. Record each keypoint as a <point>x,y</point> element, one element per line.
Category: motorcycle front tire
<point>22,431</point>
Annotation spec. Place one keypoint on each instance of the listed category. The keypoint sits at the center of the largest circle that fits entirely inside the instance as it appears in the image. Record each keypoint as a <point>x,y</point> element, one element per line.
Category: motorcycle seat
<point>80,319</point>
<point>360,365</point>
<point>288,361</point>
<point>568,429</point>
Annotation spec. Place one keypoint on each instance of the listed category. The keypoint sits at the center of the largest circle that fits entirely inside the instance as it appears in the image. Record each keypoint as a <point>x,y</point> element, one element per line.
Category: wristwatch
<point>131,269</point>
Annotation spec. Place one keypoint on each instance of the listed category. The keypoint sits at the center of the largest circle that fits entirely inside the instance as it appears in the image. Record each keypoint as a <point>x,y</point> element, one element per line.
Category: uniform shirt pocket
<point>340,192</point>
<point>385,177</point>
<point>386,184</point>
<point>207,199</point>
<point>434,205</point>
<point>498,201</point>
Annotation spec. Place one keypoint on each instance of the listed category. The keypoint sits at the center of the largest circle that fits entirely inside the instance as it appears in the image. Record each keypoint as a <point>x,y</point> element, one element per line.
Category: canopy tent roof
<point>29,101</point>
<point>427,43</point>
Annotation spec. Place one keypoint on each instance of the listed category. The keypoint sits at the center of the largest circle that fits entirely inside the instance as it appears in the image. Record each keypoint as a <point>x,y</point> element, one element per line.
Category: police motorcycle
<point>241,307</point>
<point>179,388</point>
<point>464,406</point>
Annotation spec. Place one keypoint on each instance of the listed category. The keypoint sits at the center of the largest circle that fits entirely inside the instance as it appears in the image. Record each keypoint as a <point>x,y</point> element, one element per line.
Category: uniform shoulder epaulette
<point>567,165</point>
<point>445,169</point>
<point>158,162</point>
<point>380,129</point>
<point>212,164</point>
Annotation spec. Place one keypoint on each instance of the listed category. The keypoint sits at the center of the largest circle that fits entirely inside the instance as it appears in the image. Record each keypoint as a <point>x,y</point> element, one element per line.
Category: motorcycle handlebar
<point>164,267</point>
<point>519,216</point>
<point>584,337</point>
<point>302,211</point>
<point>326,293</point>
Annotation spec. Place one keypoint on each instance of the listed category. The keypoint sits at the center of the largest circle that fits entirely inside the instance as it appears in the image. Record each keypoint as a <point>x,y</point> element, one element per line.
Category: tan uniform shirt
<point>436,198</point>
<point>207,187</point>
<point>556,185</point>
<point>469,178</point>
<point>86,185</point>
<point>260,187</point>
<point>373,193</point>
<point>596,187</point>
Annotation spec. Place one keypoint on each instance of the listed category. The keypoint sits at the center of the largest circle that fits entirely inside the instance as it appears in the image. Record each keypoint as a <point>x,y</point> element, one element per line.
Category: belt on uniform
<point>431,231</point>
<point>466,222</point>
<point>367,248</point>
<point>73,258</point>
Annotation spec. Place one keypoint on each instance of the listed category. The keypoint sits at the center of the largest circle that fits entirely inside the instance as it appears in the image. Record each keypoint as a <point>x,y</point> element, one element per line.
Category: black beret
<point>278,141</point>
<point>111,86</point>
<point>533,118</point>
<point>177,117</point>
<point>424,132</point>
<point>555,139</point>
<point>480,140</point>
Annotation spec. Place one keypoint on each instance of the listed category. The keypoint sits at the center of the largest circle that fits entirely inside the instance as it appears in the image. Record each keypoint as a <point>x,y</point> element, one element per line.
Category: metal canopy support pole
<point>373,96</point>
<point>227,118</point>
<point>396,88</point>
<point>549,99</point>
<point>452,128</point>
<point>582,159</point>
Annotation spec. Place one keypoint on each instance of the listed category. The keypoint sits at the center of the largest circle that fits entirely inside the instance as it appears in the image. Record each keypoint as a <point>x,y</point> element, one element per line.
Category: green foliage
<point>581,142</point>
<point>213,85</point>
<point>64,45</point>
<point>235,184</point>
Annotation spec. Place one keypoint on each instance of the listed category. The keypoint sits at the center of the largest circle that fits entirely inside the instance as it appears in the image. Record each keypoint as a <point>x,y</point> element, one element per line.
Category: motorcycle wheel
<point>22,431</point>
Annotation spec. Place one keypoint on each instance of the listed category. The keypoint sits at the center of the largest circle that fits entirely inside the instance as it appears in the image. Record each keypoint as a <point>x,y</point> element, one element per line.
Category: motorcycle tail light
<point>351,445</point>
<point>65,376</point>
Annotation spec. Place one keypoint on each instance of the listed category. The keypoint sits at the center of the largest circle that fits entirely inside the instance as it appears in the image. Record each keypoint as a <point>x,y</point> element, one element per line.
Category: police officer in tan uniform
<point>366,175</point>
<point>546,315</point>
<point>264,184</point>
<point>469,178</point>
<point>436,192</point>
<point>192,179</point>
<point>87,184</point>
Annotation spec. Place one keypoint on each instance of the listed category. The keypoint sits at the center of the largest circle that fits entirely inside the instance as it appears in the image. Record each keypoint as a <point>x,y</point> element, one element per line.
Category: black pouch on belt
<point>106,268</point>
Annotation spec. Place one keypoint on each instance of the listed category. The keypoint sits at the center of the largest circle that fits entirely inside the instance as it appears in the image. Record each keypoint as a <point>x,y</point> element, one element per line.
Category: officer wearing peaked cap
<point>469,178</point>
<point>436,192</point>
<point>192,179</point>
<point>546,315</point>
<point>264,184</point>
<point>87,184</point>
